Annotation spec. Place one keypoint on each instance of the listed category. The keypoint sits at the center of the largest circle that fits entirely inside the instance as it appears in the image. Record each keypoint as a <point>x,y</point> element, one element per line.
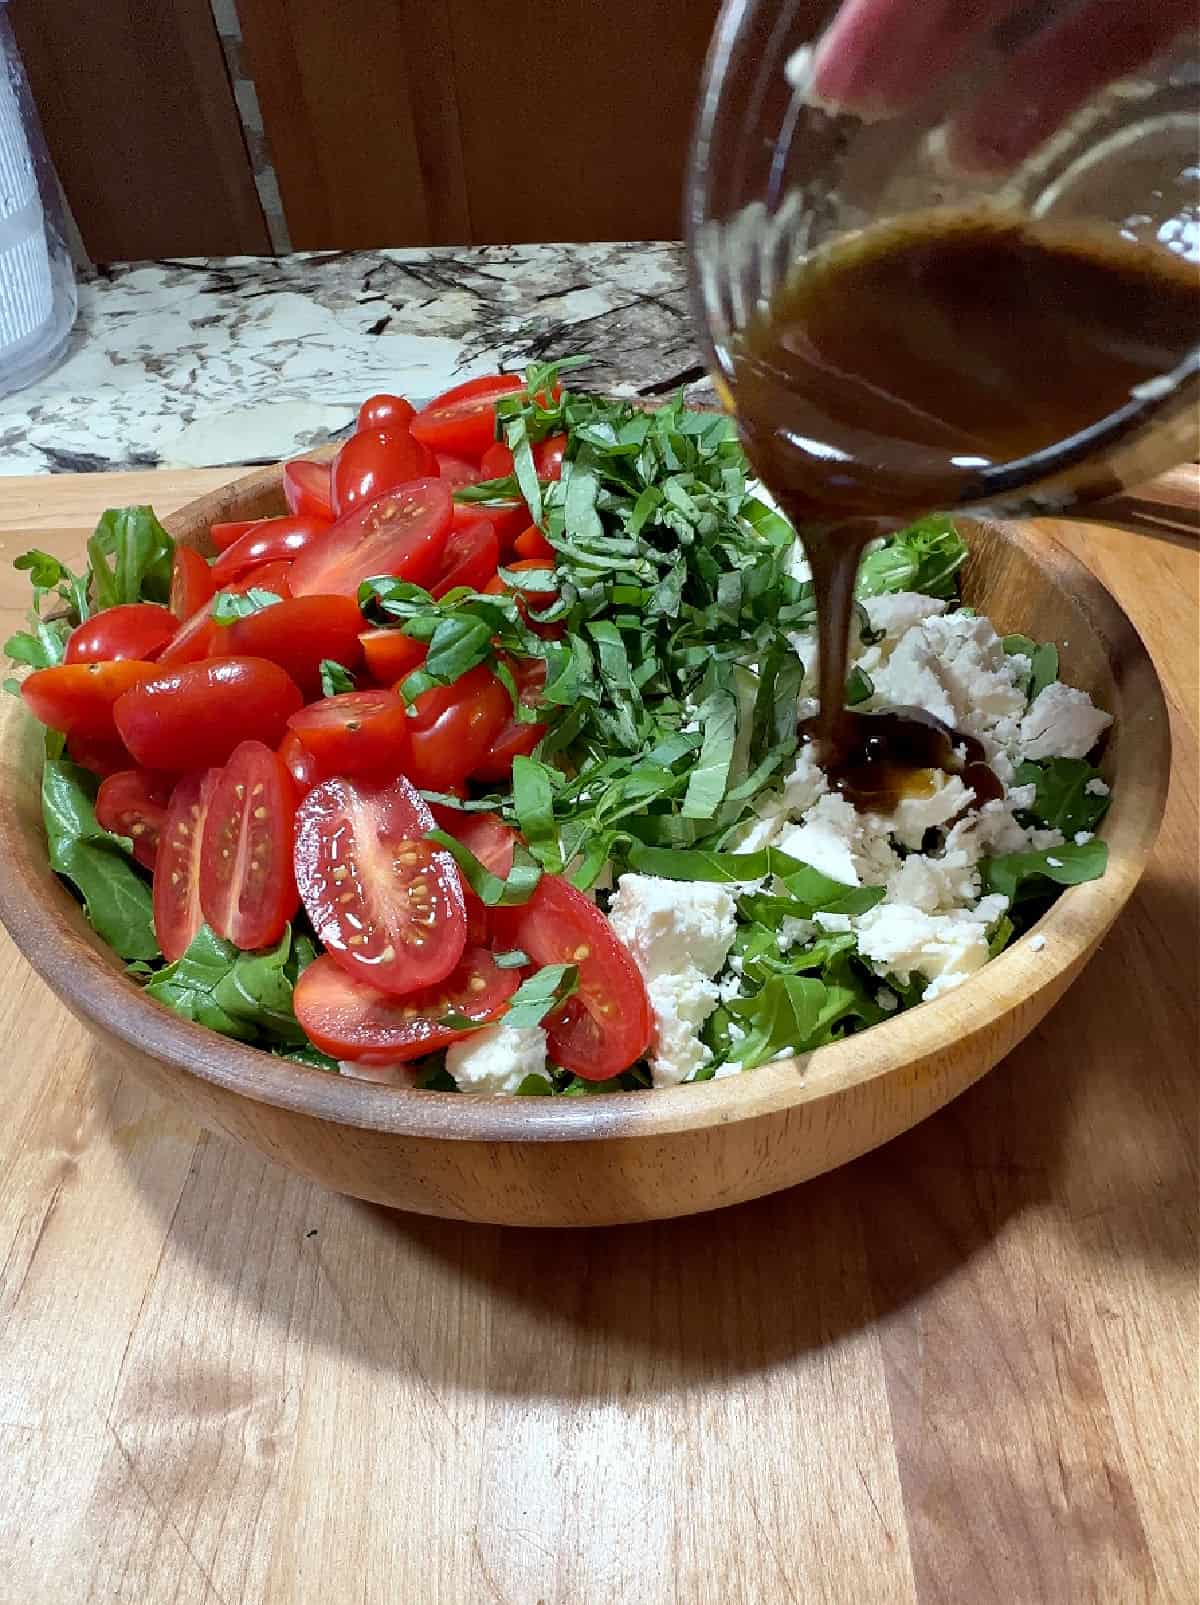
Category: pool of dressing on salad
<point>892,369</point>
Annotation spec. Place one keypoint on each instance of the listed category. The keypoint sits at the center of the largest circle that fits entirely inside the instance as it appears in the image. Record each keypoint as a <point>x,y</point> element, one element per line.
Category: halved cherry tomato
<point>387,906</point>
<point>274,577</point>
<point>403,533</point>
<point>456,471</point>
<point>462,420</point>
<point>359,733</point>
<point>385,412</point>
<point>78,698</point>
<point>198,637</point>
<point>391,655</point>
<point>485,835</point>
<point>515,740</point>
<point>129,630</point>
<point>271,540</point>
<point>299,634</point>
<point>548,456</point>
<point>453,726</point>
<point>247,883</point>
<point>470,559</point>
<point>307,488</point>
<point>195,715</point>
<point>533,544</point>
<point>374,461</point>
<point>192,582</point>
<point>301,763</point>
<point>133,803</point>
<point>496,462</point>
<point>508,519</point>
<point>102,755</point>
<point>350,1019</point>
<point>606,1025</point>
<point>223,535</point>
<point>176,892</point>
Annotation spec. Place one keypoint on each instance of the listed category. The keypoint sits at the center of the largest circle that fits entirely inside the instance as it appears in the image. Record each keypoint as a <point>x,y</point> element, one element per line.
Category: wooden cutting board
<point>963,1368</point>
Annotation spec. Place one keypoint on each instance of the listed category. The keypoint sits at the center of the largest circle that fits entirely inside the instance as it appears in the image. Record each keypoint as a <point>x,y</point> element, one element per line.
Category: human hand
<point>878,58</point>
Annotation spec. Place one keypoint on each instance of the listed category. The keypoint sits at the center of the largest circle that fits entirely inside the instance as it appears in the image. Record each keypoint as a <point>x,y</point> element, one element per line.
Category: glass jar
<point>37,282</point>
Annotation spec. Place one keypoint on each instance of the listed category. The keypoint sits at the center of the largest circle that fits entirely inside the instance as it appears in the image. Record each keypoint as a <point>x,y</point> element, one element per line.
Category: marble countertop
<point>199,363</point>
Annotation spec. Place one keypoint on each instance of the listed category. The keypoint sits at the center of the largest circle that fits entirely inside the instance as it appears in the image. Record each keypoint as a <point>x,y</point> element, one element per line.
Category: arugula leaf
<point>793,1013</point>
<point>1063,801</point>
<point>1043,662</point>
<point>131,556</point>
<point>230,605</point>
<point>540,993</point>
<point>1024,875</point>
<point>44,644</point>
<point>305,1053</point>
<point>247,996</point>
<point>335,678</point>
<point>517,887</point>
<point>116,898</point>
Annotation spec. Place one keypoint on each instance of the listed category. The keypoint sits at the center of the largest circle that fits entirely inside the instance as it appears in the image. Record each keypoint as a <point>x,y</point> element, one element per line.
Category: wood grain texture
<point>963,1367</point>
<point>141,122</point>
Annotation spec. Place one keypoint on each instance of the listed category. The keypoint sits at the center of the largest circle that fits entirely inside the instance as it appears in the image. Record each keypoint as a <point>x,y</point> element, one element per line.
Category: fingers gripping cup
<point>37,286</point>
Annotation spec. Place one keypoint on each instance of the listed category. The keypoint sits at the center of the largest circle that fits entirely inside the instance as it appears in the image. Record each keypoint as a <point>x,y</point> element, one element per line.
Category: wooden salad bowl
<point>645,1155</point>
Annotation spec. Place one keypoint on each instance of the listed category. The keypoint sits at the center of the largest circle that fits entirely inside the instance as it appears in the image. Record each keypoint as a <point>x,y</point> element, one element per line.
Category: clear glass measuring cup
<point>37,282</point>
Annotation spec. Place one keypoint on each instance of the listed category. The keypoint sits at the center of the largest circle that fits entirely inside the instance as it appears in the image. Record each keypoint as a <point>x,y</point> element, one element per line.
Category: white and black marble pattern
<point>242,360</point>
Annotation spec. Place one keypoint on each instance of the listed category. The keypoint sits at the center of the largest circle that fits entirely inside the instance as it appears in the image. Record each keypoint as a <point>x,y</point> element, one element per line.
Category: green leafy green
<point>1043,662</point>
<point>518,886</point>
<point>335,678</point>
<point>541,993</point>
<point>230,605</point>
<point>533,805</point>
<point>926,557</point>
<point>242,995</point>
<point>1063,801</point>
<point>116,897</point>
<point>44,643</point>
<point>1024,875</point>
<point>131,556</point>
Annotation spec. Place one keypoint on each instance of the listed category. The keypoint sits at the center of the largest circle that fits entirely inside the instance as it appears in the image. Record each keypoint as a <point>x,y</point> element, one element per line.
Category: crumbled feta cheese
<point>836,924</point>
<point>915,815</point>
<point>1037,943</point>
<point>935,883</point>
<point>1061,723</point>
<point>1054,863</point>
<point>388,1075</point>
<point>944,948</point>
<point>497,1058</point>
<point>681,1004</point>
<point>806,782</point>
<point>1082,837</point>
<point>794,932</point>
<point>729,987</point>
<point>825,839</point>
<point>954,666</point>
<point>887,1000</point>
<point>1096,788</point>
<point>897,612</point>
<point>670,926</point>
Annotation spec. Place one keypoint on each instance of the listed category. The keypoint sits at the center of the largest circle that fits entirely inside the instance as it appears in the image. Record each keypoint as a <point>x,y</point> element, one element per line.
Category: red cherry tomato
<point>496,462</point>
<point>198,637</point>
<point>223,535</point>
<point>176,893</point>
<point>195,715</point>
<point>299,634</point>
<point>375,461</point>
<point>192,582</point>
<point>359,733</point>
<point>533,544</point>
<point>133,803</point>
<point>548,456</point>
<point>606,1025</point>
<point>385,412</point>
<point>129,630</point>
<point>247,883</point>
<point>307,488</point>
<point>403,533</point>
<point>470,559</point>
<point>456,471</point>
<point>485,835</point>
<point>508,519</point>
<point>302,765</point>
<point>453,726</point>
<point>274,577</point>
<point>462,420</point>
<point>515,740</point>
<point>391,655</point>
<point>350,1019</point>
<point>270,541</point>
<point>387,906</point>
<point>102,755</point>
<point>78,698</point>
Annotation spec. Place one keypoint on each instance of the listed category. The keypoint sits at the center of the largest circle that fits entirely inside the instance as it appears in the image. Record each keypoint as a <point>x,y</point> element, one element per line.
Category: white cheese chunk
<point>669,926</point>
<point>497,1058</point>
<point>944,948</point>
<point>681,1004</point>
<point>1061,723</point>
